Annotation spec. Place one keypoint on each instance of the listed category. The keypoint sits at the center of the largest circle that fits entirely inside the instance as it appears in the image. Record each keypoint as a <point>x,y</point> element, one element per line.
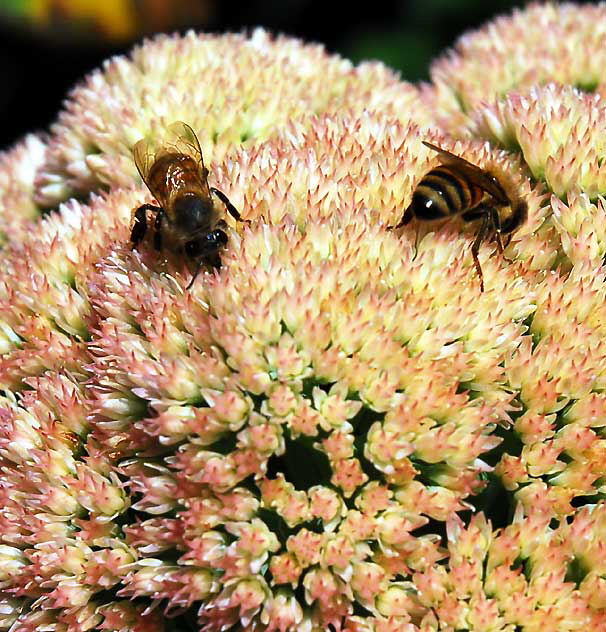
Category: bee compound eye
<point>217,237</point>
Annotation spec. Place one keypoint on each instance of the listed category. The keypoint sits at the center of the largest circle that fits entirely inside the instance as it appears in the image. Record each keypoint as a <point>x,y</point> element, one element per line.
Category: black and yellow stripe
<point>443,192</point>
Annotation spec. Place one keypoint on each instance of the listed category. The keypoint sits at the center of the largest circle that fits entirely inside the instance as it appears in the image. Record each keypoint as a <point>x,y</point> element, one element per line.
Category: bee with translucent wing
<point>458,187</point>
<point>185,219</point>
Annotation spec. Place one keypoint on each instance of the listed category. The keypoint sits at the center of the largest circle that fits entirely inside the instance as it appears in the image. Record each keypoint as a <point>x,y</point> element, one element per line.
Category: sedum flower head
<point>230,89</point>
<point>531,575</point>
<point>18,168</point>
<point>337,429</point>
<point>537,45</point>
<point>558,129</point>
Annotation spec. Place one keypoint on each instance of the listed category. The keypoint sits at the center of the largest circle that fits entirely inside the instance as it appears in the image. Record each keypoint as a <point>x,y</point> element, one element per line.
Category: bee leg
<point>140,225</point>
<point>417,228</point>
<point>228,205</point>
<point>475,248</point>
<point>406,219</point>
<point>195,274</point>
<point>501,246</point>
<point>497,235</point>
<point>157,228</point>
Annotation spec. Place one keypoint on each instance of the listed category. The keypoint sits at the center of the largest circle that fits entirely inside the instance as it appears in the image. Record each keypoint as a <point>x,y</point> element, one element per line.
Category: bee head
<point>193,213</point>
<point>206,244</point>
<point>519,214</point>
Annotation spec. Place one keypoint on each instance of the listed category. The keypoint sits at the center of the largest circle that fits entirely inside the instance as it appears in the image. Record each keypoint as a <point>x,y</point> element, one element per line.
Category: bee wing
<point>144,154</point>
<point>179,138</point>
<point>476,175</point>
<point>182,139</point>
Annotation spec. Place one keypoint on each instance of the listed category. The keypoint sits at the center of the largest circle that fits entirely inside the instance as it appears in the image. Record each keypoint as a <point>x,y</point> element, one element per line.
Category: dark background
<point>39,64</point>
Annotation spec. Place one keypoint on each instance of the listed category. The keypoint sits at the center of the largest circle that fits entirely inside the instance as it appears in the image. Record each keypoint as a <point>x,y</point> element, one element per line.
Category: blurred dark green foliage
<point>36,72</point>
<point>421,32</point>
<point>405,34</point>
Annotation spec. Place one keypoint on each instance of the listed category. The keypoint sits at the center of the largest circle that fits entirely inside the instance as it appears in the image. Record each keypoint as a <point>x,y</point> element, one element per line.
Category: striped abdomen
<point>443,192</point>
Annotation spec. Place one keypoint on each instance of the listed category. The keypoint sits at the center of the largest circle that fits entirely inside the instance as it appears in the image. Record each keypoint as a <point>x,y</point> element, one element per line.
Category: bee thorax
<point>193,213</point>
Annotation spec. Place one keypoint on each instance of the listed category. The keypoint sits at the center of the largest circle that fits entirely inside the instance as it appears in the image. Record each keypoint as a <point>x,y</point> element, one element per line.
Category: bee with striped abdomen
<point>186,219</point>
<point>458,187</point>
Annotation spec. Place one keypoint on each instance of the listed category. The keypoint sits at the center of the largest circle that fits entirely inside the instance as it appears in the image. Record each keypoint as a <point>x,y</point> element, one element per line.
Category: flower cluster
<point>337,429</point>
<point>232,90</point>
<point>540,44</point>
<point>18,169</point>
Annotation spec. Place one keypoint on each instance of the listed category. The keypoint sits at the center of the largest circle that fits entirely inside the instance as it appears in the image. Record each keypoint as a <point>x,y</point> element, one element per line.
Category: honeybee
<point>186,219</point>
<point>458,187</point>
